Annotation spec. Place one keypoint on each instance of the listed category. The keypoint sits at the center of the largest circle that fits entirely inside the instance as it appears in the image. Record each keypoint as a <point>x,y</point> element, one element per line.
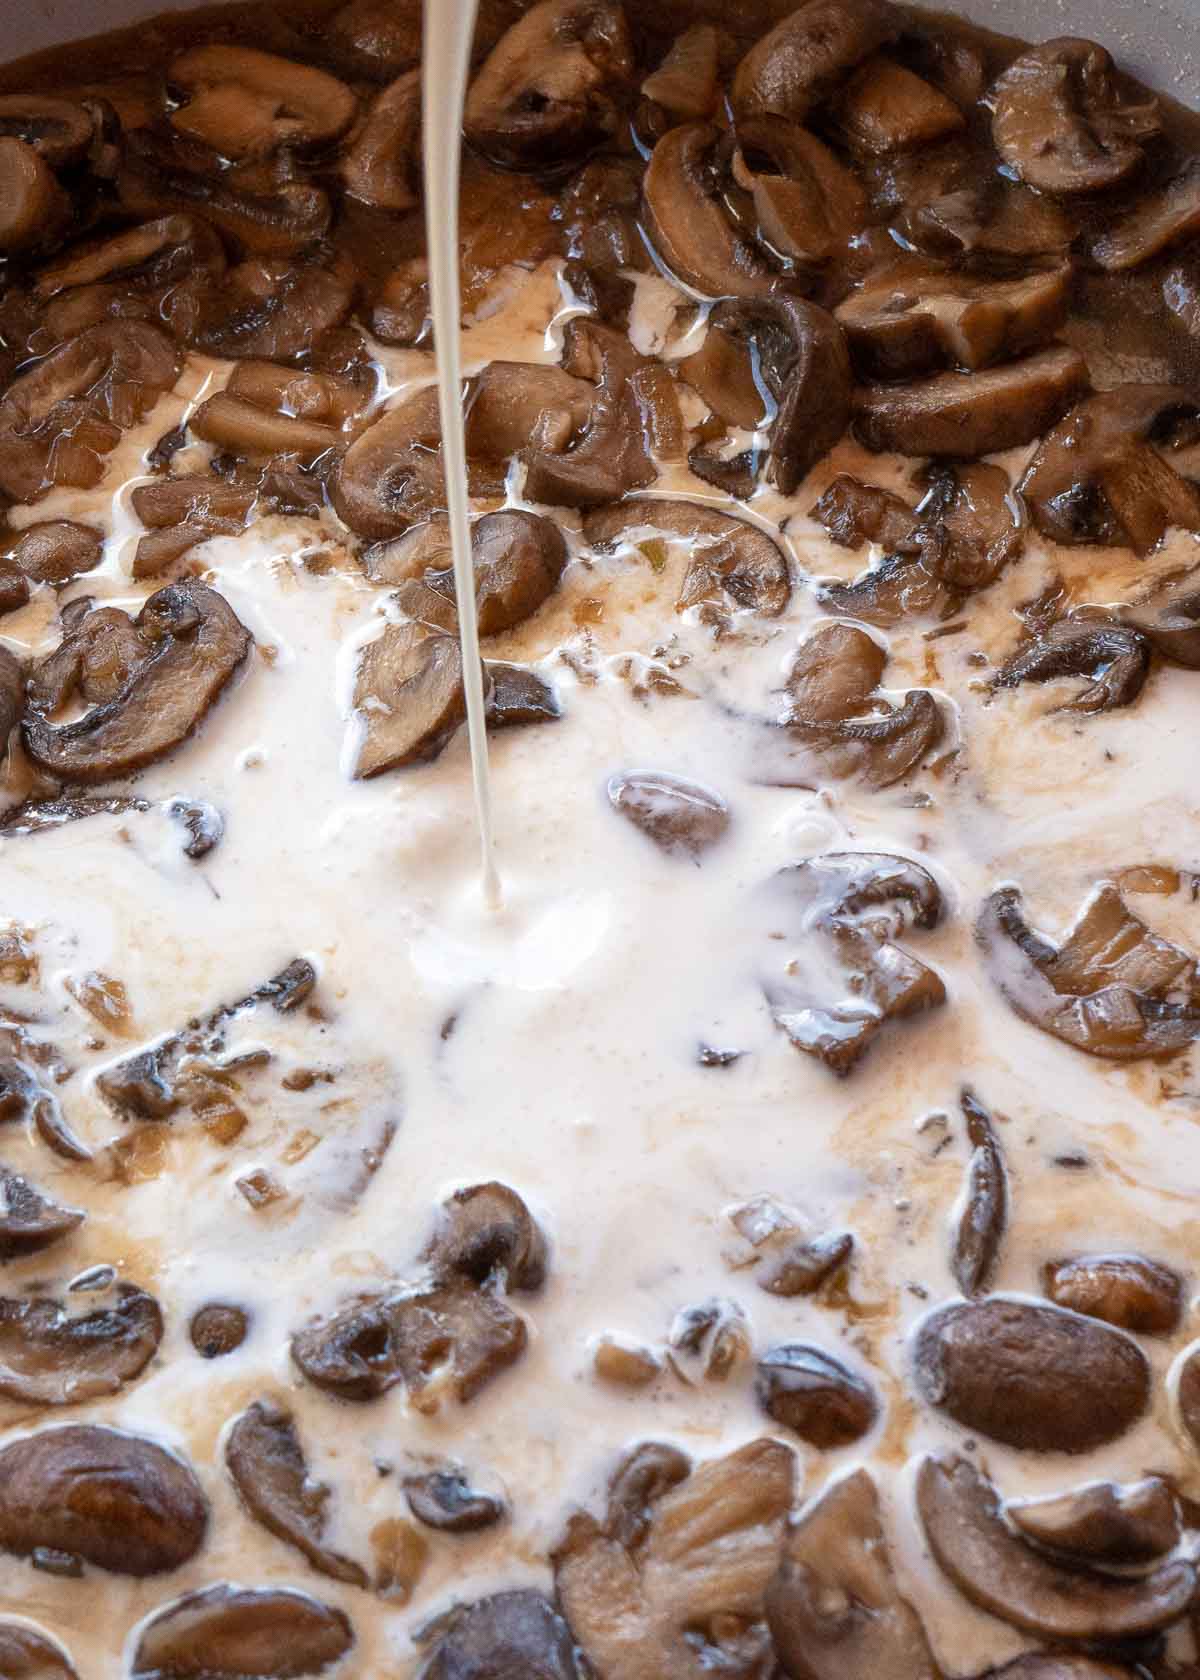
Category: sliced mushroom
<point>807,205</point>
<point>511,1633</point>
<point>961,1514</point>
<point>194,499</point>
<point>409,697</point>
<point>815,1395</point>
<point>678,816</point>
<point>518,559</point>
<point>686,82</point>
<point>1165,218</point>
<point>244,428</point>
<point>854,514</point>
<point>687,1597</point>
<point>549,91</point>
<point>267,1463</point>
<point>1113,988</point>
<point>834,1608</point>
<point>644,1475</point>
<point>444,1500</point>
<point>730,557</point>
<point>1171,620</point>
<point>248,104</point>
<point>165,271</point>
<point>487,1236</point>
<point>190,644</point>
<point>1102,1522</point>
<point>242,1633</point>
<point>984,1217</point>
<point>50,1358</point>
<point>377,38</point>
<point>115,1500</point>
<point>382,164</point>
<point>56,551</point>
<point>518,696</point>
<point>964,415</point>
<point>1100,475</point>
<point>1032,1376</point>
<point>33,207</point>
<point>278,310</point>
<point>913,316</point>
<point>885,108</point>
<point>1127,1290</point>
<point>687,223</point>
<point>1115,656</point>
<point>800,62</point>
<point>59,130</point>
<point>846,909</point>
<point>26,1653</point>
<point>12,696</point>
<point>834,673</point>
<point>29,1220</point>
<point>460,1335</point>
<point>1063,122</point>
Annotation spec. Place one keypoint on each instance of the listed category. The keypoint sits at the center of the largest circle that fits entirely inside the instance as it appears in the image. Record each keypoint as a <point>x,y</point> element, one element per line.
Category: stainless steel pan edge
<point>1156,39</point>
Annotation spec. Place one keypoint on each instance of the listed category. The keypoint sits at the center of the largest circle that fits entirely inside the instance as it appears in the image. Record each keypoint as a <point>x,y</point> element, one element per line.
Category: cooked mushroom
<point>1032,1376</point>
<point>685,83</point>
<point>885,108</point>
<point>12,696</point>
<point>188,643</point>
<point>984,1216</point>
<point>1181,294</point>
<point>678,816</point>
<point>834,674</point>
<point>1100,475</point>
<point>59,130</point>
<point>833,1607</point>
<point>218,1329</point>
<point>1171,620</point>
<point>549,90</point>
<point>29,1220</point>
<point>241,1633</point>
<point>800,62</point>
<point>33,207</point>
<point>1064,123</point>
<point>715,1333</point>
<point>1038,1665</point>
<point>1164,218</point>
<point>382,165</point>
<point>400,310</point>
<point>50,1358</point>
<point>815,1395</point>
<point>165,271</point>
<point>279,311</point>
<point>487,1236</point>
<point>913,316</point>
<point>854,514</point>
<point>26,1653</point>
<point>807,205</point>
<point>730,557</point>
<point>1115,656</point>
<point>1127,1290</point>
<point>644,1475</point>
<point>1113,988</point>
<point>518,559</point>
<point>61,417</point>
<point>460,1335</point>
<point>267,1463</point>
<point>517,696</point>
<point>961,1514</point>
<point>409,697</point>
<point>969,414</point>
<point>853,902</point>
<point>687,223</point>
<point>248,104</point>
<point>444,1500</point>
<point>1103,1522</point>
<point>517,1634</point>
<point>115,1500</point>
<point>377,38</point>
<point>687,1596</point>
<point>244,428</point>
<point>56,551</point>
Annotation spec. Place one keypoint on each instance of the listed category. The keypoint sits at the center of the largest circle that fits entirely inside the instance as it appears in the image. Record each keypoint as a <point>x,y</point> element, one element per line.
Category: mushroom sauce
<point>765,1246</point>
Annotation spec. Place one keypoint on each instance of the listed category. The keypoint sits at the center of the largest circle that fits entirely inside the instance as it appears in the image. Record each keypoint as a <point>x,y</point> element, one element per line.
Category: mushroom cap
<point>241,1633</point>
<point>247,104</point>
<point>963,415</point>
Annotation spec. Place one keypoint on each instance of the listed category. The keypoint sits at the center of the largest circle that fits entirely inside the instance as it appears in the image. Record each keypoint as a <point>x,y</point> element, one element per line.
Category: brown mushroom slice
<point>193,643</point>
<point>1115,656</point>
<point>50,1358</point>
<point>57,550</point>
<point>409,698</point>
<point>244,103</point>
<point>550,89</point>
<point>1162,219</point>
<point>58,419</point>
<point>517,696</point>
<point>29,1220</point>
<point>242,1633</point>
<point>1102,1522</point>
<point>885,107</point>
<point>815,1395</point>
<point>267,1463</point>
<point>381,165</point>
<point>799,63</point>
<point>1113,989</point>
<point>518,559</point>
<point>1062,121</point>
<point>854,514</point>
<point>26,1653</point>
<point>487,1236</point>
<point>644,1475</point>
<point>687,224</point>
<point>459,1336</point>
<point>1100,477</point>
<point>243,428</point>
<point>833,1607</point>
<point>516,1633</point>
<point>1172,622</point>
<point>33,207</point>
<point>444,1500</point>
<point>1019,1371</point>
<point>674,1603</point>
<point>59,130</point>
<point>194,498</point>
<point>913,316</point>
<point>686,82</point>
<point>1181,294</point>
<point>729,555</point>
<point>881,748</point>
<point>984,1217</point>
<point>808,205</point>
<point>280,310</point>
<point>963,415</point>
<point>679,816</point>
<point>723,372</point>
<point>1127,1290</point>
<point>115,1500</point>
<point>834,673</point>
<point>377,39</point>
<point>964,1524</point>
